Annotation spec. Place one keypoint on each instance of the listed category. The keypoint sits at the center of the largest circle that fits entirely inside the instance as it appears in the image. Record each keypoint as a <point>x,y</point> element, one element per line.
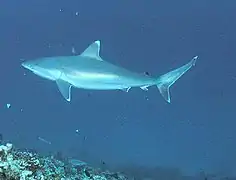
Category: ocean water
<point>113,129</point>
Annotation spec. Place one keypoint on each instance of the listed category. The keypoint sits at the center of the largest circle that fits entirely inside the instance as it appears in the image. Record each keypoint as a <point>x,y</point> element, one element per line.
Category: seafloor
<point>24,165</point>
<point>16,164</point>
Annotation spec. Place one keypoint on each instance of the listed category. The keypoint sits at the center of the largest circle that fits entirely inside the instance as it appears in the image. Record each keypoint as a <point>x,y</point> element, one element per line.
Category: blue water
<point>197,131</point>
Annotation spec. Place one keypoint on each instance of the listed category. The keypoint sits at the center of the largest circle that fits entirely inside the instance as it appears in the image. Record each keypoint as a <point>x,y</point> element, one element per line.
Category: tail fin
<point>165,81</point>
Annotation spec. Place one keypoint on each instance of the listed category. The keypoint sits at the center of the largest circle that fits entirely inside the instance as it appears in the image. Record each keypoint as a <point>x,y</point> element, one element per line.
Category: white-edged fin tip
<point>98,43</point>
<point>65,89</point>
<point>165,81</point>
<point>93,51</point>
<point>194,60</point>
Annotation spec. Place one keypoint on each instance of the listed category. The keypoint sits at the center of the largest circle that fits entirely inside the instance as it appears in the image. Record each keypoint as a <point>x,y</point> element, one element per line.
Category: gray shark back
<point>88,64</point>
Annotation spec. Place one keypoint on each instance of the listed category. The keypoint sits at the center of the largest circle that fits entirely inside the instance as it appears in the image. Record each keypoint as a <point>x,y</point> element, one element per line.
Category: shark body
<point>89,71</point>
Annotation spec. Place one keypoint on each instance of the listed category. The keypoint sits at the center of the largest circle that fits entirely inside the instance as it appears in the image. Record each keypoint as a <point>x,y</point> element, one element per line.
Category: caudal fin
<point>165,81</point>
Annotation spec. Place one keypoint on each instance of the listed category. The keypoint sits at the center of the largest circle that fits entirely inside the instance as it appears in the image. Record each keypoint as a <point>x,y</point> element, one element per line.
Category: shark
<point>88,70</point>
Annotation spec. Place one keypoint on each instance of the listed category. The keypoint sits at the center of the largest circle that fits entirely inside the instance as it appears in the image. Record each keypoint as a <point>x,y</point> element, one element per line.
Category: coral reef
<point>18,164</point>
<point>24,165</point>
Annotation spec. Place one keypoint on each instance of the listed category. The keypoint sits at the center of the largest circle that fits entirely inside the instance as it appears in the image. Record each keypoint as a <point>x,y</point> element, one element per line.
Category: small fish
<point>1,138</point>
<point>76,162</point>
<point>87,173</point>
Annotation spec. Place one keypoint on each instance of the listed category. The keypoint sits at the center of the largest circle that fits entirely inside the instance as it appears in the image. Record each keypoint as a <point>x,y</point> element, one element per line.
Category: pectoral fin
<point>65,89</point>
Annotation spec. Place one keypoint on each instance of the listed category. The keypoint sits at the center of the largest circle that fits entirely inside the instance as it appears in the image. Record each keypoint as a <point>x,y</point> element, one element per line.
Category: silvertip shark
<point>89,71</point>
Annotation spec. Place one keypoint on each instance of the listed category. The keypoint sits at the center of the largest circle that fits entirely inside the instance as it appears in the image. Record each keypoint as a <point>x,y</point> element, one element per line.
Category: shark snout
<point>24,64</point>
<point>27,65</point>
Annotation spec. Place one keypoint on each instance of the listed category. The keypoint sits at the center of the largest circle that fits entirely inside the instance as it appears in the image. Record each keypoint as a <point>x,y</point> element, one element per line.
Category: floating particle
<point>8,105</point>
<point>77,131</point>
<point>44,140</point>
<point>77,13</point>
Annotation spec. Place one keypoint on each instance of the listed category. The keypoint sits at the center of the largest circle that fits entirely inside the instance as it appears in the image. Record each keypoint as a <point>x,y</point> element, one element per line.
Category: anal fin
<point>64,88</point>
<point>126,89</point>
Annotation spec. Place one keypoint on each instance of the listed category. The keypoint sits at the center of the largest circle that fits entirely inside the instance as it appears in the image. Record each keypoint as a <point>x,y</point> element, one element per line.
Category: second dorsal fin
<point>93,51</point>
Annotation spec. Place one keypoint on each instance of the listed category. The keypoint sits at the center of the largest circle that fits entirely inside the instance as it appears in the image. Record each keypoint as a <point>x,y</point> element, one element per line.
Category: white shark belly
<point>99,86</point>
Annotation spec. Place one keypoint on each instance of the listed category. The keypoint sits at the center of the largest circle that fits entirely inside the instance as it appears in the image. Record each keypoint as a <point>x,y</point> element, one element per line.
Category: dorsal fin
<point>93,51</point>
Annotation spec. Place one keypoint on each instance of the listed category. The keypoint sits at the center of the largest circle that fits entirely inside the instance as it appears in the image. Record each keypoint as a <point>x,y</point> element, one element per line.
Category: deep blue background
<point>196,131</point>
